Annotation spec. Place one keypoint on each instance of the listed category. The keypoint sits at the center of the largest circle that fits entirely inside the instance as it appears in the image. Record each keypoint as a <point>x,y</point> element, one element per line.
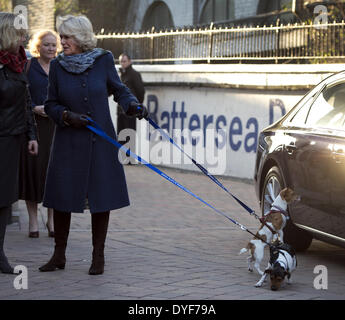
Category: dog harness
<point>279,250</point>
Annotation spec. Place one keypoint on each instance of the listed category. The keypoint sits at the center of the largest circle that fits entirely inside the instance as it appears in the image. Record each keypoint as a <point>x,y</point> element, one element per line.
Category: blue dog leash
<point>202,169</point>
<point>95,128</point>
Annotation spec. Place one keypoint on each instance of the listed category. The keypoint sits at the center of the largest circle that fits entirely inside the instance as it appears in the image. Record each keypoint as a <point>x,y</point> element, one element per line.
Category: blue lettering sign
<point>235,128</point>
<point>276,103</point>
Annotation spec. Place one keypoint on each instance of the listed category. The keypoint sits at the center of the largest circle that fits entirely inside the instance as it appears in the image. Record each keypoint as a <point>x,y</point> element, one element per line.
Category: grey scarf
<point>78,63</point>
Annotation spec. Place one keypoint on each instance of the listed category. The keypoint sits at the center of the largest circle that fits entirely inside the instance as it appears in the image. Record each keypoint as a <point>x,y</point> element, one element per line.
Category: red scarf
<point>16,62</point>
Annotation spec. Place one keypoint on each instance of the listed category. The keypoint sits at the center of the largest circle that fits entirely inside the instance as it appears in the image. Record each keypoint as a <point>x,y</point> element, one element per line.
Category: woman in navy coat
<point>32,171</point>
<point>83,166</point>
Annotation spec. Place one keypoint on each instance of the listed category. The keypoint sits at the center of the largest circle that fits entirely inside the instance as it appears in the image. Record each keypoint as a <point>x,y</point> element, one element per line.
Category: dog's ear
<point>286,193</point>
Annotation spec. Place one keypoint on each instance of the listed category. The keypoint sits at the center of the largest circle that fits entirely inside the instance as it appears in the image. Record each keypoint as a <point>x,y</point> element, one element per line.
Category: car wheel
<point>273,184</point>
<point>299,239</point>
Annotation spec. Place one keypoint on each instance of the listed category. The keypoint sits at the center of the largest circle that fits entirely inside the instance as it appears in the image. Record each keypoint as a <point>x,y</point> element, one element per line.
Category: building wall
<point>181,11</point>
<point>184,13</point>
<point>245,8</point>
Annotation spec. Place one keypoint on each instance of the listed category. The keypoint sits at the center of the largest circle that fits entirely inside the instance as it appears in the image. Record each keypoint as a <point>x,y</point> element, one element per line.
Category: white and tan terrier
<point>271,229</point>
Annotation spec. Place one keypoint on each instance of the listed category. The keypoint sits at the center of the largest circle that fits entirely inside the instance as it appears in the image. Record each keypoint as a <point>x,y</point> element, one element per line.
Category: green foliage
<point>64,7</point>
<point>5,5</point>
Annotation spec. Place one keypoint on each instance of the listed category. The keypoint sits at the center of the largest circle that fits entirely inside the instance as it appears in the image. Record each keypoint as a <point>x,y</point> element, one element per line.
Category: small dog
<point>282,262</point>
<point>272,227</point>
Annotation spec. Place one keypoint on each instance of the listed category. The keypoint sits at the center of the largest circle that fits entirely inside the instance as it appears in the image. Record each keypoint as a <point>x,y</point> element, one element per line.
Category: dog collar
<point>284,212</point>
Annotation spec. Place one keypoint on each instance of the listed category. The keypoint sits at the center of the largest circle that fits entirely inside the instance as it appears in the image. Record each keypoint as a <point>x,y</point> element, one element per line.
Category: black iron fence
<point>296,42</point>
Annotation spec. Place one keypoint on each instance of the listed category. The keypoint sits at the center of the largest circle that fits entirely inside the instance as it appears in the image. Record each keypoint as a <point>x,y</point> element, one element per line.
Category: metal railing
<point>274,43</point>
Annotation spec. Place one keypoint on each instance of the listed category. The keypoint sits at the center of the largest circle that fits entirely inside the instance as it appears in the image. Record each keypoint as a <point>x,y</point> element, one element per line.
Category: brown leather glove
<point>75,120</point>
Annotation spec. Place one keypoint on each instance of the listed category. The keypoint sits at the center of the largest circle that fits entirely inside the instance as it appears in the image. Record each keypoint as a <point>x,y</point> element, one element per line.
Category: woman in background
<point>32,174</point>
<point>16,120</point>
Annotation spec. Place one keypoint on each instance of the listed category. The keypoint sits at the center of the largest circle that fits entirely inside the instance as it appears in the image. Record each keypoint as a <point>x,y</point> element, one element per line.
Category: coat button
<point>93,139</point>
<point>88,113</point>
<point>85,99</point>
<point>83,85</point>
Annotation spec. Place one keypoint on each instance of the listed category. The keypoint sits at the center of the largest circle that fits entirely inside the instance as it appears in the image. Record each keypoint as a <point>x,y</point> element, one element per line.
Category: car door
<point>337,185</point>
<point>308,155</point>
<point>310,152</point>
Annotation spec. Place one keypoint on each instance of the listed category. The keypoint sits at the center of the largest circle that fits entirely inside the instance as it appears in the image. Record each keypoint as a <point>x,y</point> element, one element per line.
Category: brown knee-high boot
<point>62,222</point>
<point>99,223</point>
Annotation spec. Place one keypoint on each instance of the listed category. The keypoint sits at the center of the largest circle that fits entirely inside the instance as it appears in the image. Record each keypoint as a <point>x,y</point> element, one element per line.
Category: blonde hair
<point>78,27</point>
<point>9,34</point>
<point>36,41</point>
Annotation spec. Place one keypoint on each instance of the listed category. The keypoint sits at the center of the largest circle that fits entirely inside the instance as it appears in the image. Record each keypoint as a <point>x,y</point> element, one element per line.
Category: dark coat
<point>32,171</point>
<point>16,121</point>
<point>132,79</point>
<point>84,166</point>
<point>16,116</point>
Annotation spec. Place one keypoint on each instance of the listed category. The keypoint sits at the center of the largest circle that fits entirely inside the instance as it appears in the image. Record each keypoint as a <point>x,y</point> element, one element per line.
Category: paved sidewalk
<point>166,245</point>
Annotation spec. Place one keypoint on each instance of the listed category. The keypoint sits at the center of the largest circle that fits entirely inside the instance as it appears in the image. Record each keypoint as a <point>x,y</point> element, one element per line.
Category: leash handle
<point>202,168</point>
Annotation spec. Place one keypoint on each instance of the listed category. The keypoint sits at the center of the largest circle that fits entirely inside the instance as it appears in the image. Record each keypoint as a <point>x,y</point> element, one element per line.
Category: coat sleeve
<point>30,80</point>
<point>30,119</point>
<point>138,86</point>
<point>52,107</point>
<point>122,94</point>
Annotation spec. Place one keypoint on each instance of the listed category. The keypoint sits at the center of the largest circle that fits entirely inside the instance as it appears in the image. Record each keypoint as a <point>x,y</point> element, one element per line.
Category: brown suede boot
<point>99,223</point>
<point>62,222</point>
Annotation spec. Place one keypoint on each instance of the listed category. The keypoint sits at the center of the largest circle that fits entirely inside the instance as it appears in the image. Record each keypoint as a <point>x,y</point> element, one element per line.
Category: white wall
<point>241,100</point>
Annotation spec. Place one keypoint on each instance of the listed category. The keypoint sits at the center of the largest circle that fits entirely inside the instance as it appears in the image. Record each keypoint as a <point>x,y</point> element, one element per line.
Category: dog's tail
<point>243,250</point>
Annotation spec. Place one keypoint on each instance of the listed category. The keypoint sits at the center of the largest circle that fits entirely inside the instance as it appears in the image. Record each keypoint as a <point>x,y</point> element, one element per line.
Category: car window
<point>328,110</point>
<point>299,112</point>
<point>301,115</point>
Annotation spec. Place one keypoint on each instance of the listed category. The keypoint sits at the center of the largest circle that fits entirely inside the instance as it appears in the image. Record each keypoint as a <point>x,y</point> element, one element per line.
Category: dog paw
<point>258,285</point>
<point>250,270</point>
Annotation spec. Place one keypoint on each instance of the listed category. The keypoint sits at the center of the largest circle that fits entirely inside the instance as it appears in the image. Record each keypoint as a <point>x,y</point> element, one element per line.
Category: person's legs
<point>5,267</point>
<point>62,222</point>
<point>100,222</point>
<point>50,222</point>
<point>33,221</point>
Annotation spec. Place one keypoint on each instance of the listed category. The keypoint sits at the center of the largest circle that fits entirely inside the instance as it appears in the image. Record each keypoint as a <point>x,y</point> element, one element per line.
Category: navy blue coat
<point>82,165</point>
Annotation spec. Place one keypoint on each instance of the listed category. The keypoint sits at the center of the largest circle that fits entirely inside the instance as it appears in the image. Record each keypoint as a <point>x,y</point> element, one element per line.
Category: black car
<point>305,150</point>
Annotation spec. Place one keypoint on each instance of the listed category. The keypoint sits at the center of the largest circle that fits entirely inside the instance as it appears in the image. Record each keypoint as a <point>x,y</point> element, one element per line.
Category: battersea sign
<point>217,127</point>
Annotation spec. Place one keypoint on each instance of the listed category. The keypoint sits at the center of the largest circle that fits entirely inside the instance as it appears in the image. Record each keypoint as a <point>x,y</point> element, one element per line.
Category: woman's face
<point>48,47</point>
<point>21,42</point>
<point>69,45</point>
